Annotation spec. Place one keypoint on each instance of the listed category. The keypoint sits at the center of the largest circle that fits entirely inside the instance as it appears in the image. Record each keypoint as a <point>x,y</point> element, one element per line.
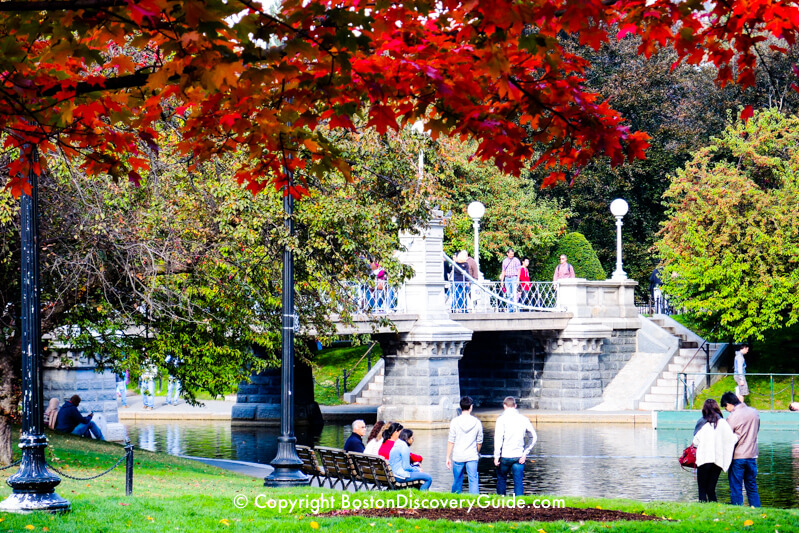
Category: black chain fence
<point>128,458</point>
<point>62,473</point>
<point>11,465</point>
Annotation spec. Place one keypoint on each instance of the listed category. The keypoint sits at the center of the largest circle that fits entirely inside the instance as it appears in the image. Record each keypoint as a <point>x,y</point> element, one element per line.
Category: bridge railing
<point>372,297</point>
<point>475,296</point>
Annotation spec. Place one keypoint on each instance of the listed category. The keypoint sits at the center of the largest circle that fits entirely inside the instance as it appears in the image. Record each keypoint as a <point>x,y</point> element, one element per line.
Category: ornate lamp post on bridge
<point>619,208</point>
<point>33,485</point>
<point>476,210</point>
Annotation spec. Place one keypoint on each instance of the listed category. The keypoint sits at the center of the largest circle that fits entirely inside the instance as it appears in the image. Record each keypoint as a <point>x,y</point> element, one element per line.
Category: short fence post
<point>128,468</point>
<point>338,391</point>
<point>345,381</point>
<point>369,362</point>
<point>771,379</point>
<point>685,391</point>
<point>792,389</point>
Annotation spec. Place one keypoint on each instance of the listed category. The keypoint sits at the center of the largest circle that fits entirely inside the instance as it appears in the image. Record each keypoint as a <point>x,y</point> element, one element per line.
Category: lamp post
<point>418,129</point>
<point>287,464</point>
<point>33,485</point>
<point>476,210</point>
<point>619,208</point>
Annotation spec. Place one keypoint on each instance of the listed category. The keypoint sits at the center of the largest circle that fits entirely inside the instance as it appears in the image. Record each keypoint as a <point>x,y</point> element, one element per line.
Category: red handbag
<point>688,457</point>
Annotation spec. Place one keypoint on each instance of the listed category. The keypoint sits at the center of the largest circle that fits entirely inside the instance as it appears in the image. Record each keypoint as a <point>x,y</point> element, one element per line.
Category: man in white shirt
<point>509,451</point>
<point>463,447</point>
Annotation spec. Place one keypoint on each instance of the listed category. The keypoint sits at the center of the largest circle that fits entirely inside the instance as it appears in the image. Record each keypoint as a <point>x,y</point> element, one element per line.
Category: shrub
<point>581,256</point>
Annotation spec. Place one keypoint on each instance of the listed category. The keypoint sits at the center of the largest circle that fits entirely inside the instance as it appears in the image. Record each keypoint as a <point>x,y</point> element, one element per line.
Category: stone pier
<point>421,387</point>
<point>258,402</point>
<point>598,341</point>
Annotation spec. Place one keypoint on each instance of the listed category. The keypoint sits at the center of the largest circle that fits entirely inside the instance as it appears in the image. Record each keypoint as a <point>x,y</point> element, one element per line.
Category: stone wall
<point>65,374</point>
<point>500,364</point>
<point>259,400</point>
<point>616,352</point>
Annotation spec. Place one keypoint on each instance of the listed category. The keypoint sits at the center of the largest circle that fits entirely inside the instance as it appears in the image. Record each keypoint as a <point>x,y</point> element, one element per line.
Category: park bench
<point>310,465</point>
<point>376,471</point>
<point>339,468</point>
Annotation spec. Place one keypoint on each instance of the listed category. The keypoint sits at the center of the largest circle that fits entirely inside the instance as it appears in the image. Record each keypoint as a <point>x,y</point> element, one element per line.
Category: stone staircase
<point>666,393</point>
<point>369,391</point>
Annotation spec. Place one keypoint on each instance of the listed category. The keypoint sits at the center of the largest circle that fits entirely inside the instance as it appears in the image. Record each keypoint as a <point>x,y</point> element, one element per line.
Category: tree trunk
<point>9,393</point>
<point>5,441</point>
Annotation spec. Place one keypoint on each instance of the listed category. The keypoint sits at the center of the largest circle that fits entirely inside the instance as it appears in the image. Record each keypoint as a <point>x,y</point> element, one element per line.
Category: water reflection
<point>615,461</point>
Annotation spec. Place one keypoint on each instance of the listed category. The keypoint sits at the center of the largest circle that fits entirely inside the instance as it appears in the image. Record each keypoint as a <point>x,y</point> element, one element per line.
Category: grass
<point>133,385</point>
<point>331,362</point>
<point>172,494</point>
<point>759,392</point>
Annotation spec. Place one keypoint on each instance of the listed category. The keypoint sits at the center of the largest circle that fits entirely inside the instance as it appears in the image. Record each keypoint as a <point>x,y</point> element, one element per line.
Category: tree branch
<point>59,5</point>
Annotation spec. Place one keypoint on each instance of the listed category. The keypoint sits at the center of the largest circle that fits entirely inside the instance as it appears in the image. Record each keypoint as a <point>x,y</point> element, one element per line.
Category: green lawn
<point>172,494</point>
<point>331,362</point>
<point>759,392</point>
<point>133,385</point>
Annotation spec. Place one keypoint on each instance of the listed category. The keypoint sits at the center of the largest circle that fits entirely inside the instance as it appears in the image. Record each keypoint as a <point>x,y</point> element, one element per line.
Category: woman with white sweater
<point>714,442</point>
<point>375,439</point>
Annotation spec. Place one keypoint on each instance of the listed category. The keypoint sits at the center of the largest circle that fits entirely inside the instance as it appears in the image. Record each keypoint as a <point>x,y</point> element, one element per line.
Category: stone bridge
<point>558,359</point>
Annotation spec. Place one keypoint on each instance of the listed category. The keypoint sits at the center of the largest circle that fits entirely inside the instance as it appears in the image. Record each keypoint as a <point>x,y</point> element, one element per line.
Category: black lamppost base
<point>287,466</point>
<point>286,477</point>
<point>26,502</point>
<point>34,485</point>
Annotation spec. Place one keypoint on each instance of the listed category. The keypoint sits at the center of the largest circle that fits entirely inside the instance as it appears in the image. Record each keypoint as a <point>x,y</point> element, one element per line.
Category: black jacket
<point>354,444</point>
<point>69,417</point>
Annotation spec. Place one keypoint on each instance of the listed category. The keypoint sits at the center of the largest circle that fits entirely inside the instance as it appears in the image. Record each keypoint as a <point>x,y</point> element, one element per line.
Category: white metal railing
<point>475,296</point>
<point>375,297</point>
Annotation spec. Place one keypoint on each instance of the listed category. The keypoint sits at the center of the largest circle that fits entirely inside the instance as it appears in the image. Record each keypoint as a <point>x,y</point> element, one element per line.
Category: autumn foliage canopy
<point>96,78</point>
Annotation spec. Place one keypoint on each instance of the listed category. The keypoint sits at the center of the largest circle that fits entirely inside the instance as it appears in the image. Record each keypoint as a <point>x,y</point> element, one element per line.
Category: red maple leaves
<point>231,77</point>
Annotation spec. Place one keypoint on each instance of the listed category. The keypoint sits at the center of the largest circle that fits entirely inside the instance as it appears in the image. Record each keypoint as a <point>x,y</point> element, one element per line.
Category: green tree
<point>581,256</point>
<point>681,107</point>
<point>516,215</point>
<point>194,260</point>
<point>731,242</point>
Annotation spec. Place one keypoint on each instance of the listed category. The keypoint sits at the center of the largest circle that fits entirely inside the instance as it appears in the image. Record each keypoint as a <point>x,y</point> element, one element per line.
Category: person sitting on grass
<point>70,420</point>
<point>400,461</point>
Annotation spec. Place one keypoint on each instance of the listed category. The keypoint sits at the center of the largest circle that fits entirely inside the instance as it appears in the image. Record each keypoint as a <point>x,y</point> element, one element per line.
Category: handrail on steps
<point>707,352</point>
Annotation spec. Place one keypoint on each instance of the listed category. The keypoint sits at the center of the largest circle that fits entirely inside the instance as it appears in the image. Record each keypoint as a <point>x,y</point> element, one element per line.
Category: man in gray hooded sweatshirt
<point>463,447</point>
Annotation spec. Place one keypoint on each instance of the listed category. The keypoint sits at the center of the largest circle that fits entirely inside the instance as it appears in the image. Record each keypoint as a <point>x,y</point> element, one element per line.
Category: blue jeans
<point>122,390</point>
<point>460,300</point>
<point>743,472</point>
<point>413,476</point>
<point>506,465</point>
<point>148,393</point>
<point>87,430</point>
<point>471,472</point>
<point>172,387</point>
<point>511,286</point>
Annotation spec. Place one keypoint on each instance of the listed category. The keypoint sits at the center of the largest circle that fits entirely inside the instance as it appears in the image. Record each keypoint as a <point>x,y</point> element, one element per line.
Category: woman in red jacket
<point>390,436</point>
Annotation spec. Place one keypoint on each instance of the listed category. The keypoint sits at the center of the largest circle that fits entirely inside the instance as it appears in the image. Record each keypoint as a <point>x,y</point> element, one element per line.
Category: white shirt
<point>740,364</point>
<point>715,445</point>
<point>373,446</point>
<point>465,432</point>
<point>509,434</point>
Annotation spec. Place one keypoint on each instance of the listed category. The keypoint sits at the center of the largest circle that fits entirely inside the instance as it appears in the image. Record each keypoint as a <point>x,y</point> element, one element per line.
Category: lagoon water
<point>593,460</point>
